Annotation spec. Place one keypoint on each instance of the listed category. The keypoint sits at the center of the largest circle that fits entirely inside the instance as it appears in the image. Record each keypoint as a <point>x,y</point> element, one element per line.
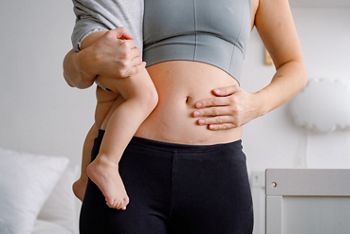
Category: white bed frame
<point>307,201</point>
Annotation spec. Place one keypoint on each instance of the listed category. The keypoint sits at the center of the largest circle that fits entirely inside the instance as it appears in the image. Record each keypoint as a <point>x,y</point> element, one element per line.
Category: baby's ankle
<point>83,178</point>
<point>103,159</point>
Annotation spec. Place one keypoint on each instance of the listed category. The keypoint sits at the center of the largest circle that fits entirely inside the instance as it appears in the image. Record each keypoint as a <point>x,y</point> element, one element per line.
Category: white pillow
<point>26,180</point>
<point>44,227</point>
<point>4,229</point>
<point>323,105</point>
<point>60,207</point>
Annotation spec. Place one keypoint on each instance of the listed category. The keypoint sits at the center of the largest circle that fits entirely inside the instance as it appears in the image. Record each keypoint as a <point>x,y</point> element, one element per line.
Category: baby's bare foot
<point>79,187</point>
<point>104,173</point>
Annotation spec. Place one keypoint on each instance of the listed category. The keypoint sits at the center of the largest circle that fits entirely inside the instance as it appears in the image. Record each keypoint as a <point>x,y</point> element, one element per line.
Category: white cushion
<point>4,228</point>
<point>26,180</point>
<point>60,207</point>
<point>45,227</point>
<point>323,105</point>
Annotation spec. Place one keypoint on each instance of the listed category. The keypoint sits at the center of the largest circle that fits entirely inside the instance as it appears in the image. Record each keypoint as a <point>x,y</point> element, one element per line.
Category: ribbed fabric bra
<point>210,31</point>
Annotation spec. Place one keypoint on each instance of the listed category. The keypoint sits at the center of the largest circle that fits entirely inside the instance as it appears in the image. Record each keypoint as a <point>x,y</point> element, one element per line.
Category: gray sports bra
<point>210,31</point>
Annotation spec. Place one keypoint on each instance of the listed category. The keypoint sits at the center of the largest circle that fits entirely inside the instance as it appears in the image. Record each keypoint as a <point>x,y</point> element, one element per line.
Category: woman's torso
<point>180,84</point>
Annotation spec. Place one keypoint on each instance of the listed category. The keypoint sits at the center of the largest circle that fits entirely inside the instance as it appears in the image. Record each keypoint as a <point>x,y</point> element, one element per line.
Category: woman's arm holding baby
<point>112,53</point>
<point>76,66</point>
<point>100,45</point>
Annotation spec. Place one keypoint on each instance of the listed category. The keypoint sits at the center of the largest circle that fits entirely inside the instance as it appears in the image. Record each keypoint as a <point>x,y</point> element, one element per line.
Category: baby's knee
<point>103,95</point>
<point>145,90</point>
<point>147,97</point>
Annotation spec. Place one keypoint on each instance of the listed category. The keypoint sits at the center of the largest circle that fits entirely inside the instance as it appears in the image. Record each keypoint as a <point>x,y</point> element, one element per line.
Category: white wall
<point>273,141</point>
<point>41,113</point>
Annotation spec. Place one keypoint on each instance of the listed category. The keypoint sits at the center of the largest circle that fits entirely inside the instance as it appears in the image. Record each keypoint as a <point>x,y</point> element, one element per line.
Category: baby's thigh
<point>133,86</point>
<point>106,102</point>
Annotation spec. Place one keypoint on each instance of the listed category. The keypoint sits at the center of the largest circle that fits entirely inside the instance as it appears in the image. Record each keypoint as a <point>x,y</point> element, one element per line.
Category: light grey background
<point>40,113</point>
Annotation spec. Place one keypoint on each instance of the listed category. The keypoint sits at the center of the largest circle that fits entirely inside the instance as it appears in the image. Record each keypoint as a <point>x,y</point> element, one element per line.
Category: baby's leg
<point>79,185</point>
<point>105,102</point>
<point>140,99</point>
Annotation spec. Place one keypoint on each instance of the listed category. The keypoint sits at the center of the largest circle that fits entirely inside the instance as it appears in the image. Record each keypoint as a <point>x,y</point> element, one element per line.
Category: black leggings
<point>175,189</point>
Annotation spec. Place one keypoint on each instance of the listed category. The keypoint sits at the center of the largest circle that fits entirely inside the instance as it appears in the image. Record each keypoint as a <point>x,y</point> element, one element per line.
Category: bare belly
<point>171,120</point>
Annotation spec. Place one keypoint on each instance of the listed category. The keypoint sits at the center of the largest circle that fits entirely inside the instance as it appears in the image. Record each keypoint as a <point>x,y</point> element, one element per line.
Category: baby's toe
<point>110,202</point>
<point>118,205</point>
<point>125,201</point>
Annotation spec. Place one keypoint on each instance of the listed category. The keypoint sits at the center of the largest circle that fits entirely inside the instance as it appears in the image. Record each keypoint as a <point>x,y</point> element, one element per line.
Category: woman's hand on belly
<point>231,108</point>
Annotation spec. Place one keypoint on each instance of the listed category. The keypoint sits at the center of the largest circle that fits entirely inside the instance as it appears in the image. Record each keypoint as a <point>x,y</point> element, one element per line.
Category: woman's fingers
<point>215,101</point>
<point>130,60</point>
<point>227,90</point>
<point>141,66</point>
<point>128,44</point>
<point>136,61</point>
<point>121,33</point>
<point>116,55</point>
<point>135,52</point>
<point>216,120</point>
<point>213,111</point>
<point>232,108</point>
<point>136,56</point>
<point>225,126</point>
<point>220,112</point>
<point>133,70</point>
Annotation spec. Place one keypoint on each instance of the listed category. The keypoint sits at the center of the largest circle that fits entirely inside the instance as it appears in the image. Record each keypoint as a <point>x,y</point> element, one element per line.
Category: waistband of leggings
<point>171,146</point>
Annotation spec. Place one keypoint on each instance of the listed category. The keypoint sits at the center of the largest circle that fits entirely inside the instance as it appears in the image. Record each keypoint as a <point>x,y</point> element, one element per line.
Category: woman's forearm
<point>73,73</point>
<point>112,54</point>
<point>289,79</point>
<point>79,67</point>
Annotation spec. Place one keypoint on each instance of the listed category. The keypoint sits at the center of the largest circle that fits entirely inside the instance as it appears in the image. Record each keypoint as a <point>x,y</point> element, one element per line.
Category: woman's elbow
<point>297,72</point>
<point>76,81</point>
<point>67,79</point>
<point>72,74</point>
<point>303,77</point>
<point>67,69</point>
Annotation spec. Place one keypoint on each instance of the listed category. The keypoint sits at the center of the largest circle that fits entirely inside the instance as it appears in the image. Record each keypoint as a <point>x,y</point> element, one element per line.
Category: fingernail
<point>198,104</point>
<point>196,113</point>
<point>201,121</point>
<point>217,90</point>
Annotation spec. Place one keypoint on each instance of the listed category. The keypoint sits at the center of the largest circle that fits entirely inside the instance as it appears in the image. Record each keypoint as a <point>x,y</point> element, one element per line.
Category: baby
<point>122,103</point>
